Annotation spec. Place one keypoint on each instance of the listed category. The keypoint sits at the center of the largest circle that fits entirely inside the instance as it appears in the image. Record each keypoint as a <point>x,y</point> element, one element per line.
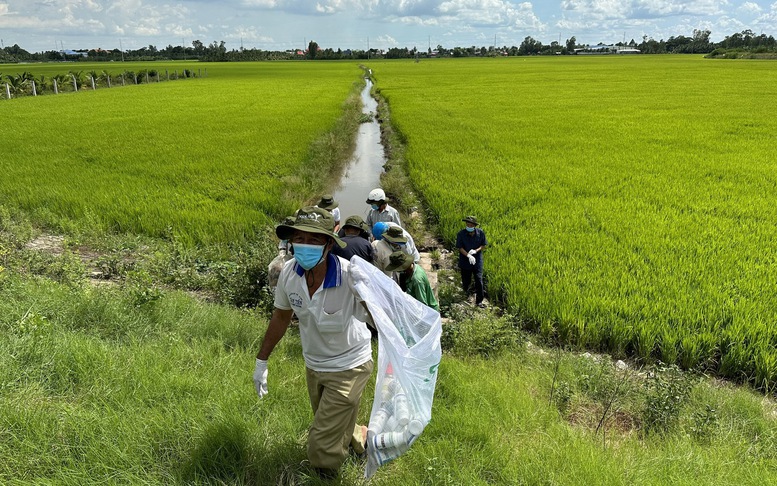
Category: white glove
<point>472,252</point>
<point>260,377</point>
<point>471,259</point>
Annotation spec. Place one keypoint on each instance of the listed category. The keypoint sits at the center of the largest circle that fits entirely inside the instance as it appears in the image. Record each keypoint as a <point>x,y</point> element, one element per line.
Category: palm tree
<point>41,84</point>
<point>79,77</point>
<point>16,83</point>
<point>105,77</point>
<point>62,80</point>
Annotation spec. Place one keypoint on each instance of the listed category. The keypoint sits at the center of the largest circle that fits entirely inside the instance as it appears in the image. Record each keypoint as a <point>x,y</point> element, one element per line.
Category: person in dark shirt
<point>470,242</point>
<point>355,236</point>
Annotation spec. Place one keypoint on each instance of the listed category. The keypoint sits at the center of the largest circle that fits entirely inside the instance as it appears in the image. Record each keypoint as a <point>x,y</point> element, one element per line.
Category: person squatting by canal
<point>470,242</point>
<point>380,210</point>
<point>413,279</point>
<point>388,239</point>
<point>316,287</point>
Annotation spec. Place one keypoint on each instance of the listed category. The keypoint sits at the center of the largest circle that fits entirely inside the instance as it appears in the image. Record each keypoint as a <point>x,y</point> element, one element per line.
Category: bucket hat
<point>398,261</point>
<point>311,220</point>
<point>395,235</point>
<point>471,219</point>
<point>358,223</point>
<point>327,202</point>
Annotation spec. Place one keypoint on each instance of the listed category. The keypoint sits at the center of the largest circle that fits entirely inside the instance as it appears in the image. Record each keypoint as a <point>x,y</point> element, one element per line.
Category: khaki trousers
<point>335,398</point>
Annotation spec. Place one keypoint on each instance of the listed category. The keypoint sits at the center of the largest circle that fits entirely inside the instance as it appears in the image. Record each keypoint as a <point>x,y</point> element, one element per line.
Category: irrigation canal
<point>362,173</point>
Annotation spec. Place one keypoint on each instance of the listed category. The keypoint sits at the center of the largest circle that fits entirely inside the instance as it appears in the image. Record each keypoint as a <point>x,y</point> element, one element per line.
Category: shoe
<point>482,305</point>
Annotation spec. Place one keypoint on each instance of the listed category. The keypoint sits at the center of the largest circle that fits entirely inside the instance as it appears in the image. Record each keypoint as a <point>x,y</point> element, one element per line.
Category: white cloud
<point>386,40</point>
<point>750,7</point>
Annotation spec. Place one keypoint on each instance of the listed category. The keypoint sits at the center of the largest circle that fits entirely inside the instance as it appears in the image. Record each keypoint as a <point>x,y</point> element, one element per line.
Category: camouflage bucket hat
<point>399,261</point>
<point>358,223</point>
<point>471,219</point>
<point>395,235</point>
<point>327,202</point>
<point>311,220</point>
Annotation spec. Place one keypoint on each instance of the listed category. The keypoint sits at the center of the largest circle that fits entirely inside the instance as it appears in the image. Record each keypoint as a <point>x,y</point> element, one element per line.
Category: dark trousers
<point>466,280</point>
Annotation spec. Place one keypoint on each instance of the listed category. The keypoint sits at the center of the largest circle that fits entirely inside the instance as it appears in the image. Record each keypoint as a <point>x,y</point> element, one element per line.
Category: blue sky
<point>38,25</point>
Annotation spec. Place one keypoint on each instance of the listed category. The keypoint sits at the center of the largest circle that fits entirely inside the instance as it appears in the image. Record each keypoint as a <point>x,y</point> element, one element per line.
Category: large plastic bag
<point>408,357</point>
<point>275,267</point>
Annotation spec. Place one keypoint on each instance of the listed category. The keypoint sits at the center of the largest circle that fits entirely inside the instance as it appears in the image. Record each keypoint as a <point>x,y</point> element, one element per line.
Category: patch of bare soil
<point>52,244</point>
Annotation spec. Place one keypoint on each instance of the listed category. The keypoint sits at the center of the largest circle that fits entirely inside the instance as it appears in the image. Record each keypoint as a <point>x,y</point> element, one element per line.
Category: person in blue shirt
<point>470,242</point>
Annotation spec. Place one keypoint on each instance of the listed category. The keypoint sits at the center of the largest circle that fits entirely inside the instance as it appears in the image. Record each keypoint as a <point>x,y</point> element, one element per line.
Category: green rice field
<point>210,159</point>
<point>629,201</point>
<point>629,208</point>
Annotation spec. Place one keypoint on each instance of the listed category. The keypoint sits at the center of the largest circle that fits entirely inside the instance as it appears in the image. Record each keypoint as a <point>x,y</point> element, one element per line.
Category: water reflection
<point>362,174</point>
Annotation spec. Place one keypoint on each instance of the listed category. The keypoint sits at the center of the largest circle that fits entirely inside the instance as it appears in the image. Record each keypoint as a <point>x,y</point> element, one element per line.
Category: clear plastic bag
<point>275,267</point>
<point>408,357</point>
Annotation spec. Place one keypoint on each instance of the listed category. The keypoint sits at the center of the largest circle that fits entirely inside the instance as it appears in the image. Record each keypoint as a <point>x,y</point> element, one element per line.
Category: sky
<point>42,25</point>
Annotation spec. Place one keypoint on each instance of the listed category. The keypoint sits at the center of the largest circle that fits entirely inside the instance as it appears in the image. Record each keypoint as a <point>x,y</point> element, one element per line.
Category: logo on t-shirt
<point>295,299</point>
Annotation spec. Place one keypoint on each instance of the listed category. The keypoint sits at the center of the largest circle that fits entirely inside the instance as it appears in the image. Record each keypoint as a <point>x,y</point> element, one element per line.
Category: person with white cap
<point>380,211</point>
<point>317,287</point>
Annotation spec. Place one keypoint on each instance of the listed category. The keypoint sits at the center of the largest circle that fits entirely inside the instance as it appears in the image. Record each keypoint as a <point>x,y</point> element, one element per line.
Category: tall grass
<point>95,388</point>
<point>627,201</point>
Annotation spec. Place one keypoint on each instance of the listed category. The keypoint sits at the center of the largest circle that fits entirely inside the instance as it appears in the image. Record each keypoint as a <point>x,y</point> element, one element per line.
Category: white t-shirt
<point>335,214</point>
<point>332,322</point>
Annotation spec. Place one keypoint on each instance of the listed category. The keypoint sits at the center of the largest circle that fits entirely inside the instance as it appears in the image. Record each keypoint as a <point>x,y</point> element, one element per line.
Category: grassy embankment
<point>142,385</point>
<point>628,200</point>
<point>181,182</point>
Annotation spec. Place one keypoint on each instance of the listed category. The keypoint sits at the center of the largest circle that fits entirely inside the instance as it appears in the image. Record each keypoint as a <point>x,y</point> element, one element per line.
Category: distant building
<point>70,52</point>
<point>601,49</point>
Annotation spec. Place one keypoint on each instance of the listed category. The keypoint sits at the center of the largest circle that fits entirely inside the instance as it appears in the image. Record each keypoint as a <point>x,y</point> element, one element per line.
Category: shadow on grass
<point>226,454</point>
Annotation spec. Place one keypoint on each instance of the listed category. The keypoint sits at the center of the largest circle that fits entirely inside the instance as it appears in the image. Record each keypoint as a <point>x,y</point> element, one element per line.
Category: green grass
<point>627,200</point>
<point>208,160</point>
<point>95,388</point>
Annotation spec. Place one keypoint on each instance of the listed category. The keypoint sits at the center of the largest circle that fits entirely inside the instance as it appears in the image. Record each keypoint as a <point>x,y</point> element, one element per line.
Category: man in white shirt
<point>335,340</point>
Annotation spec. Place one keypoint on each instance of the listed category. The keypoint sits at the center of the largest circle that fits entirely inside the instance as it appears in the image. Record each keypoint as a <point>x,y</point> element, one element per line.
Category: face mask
<point>308,256</point>
<point>470,229</point>
<point>374,206</point>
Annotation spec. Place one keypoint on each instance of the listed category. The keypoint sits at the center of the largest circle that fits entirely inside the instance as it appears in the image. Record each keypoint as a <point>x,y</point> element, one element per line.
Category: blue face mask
<point>374,206</point>
<point>308,256</point>
<point>470,229</point>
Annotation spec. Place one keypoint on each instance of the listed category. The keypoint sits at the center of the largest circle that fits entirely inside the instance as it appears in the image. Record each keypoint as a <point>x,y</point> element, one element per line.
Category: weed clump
<point>480,334</point>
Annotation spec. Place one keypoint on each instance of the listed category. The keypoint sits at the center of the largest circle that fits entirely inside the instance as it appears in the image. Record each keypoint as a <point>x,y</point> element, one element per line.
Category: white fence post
<point>56,88</point>
<point>167,75</point>
<point>75,83</point>
<point>93,86</point>
<point>34,91</point>
<point>109,80</point>
<point>122,79</point>
<point>7,91</point>
<point>146,77</point>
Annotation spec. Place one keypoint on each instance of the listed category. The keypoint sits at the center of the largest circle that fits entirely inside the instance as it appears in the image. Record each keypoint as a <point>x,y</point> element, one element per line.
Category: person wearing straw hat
<point>316,287</point>
<point>328,202</point>
<point>355,236</point>
<point>470,242</point>
<point>413,279</point>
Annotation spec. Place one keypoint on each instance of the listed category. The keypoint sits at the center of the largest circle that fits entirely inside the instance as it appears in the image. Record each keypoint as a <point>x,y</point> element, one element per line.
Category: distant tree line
<point>740,44</point>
